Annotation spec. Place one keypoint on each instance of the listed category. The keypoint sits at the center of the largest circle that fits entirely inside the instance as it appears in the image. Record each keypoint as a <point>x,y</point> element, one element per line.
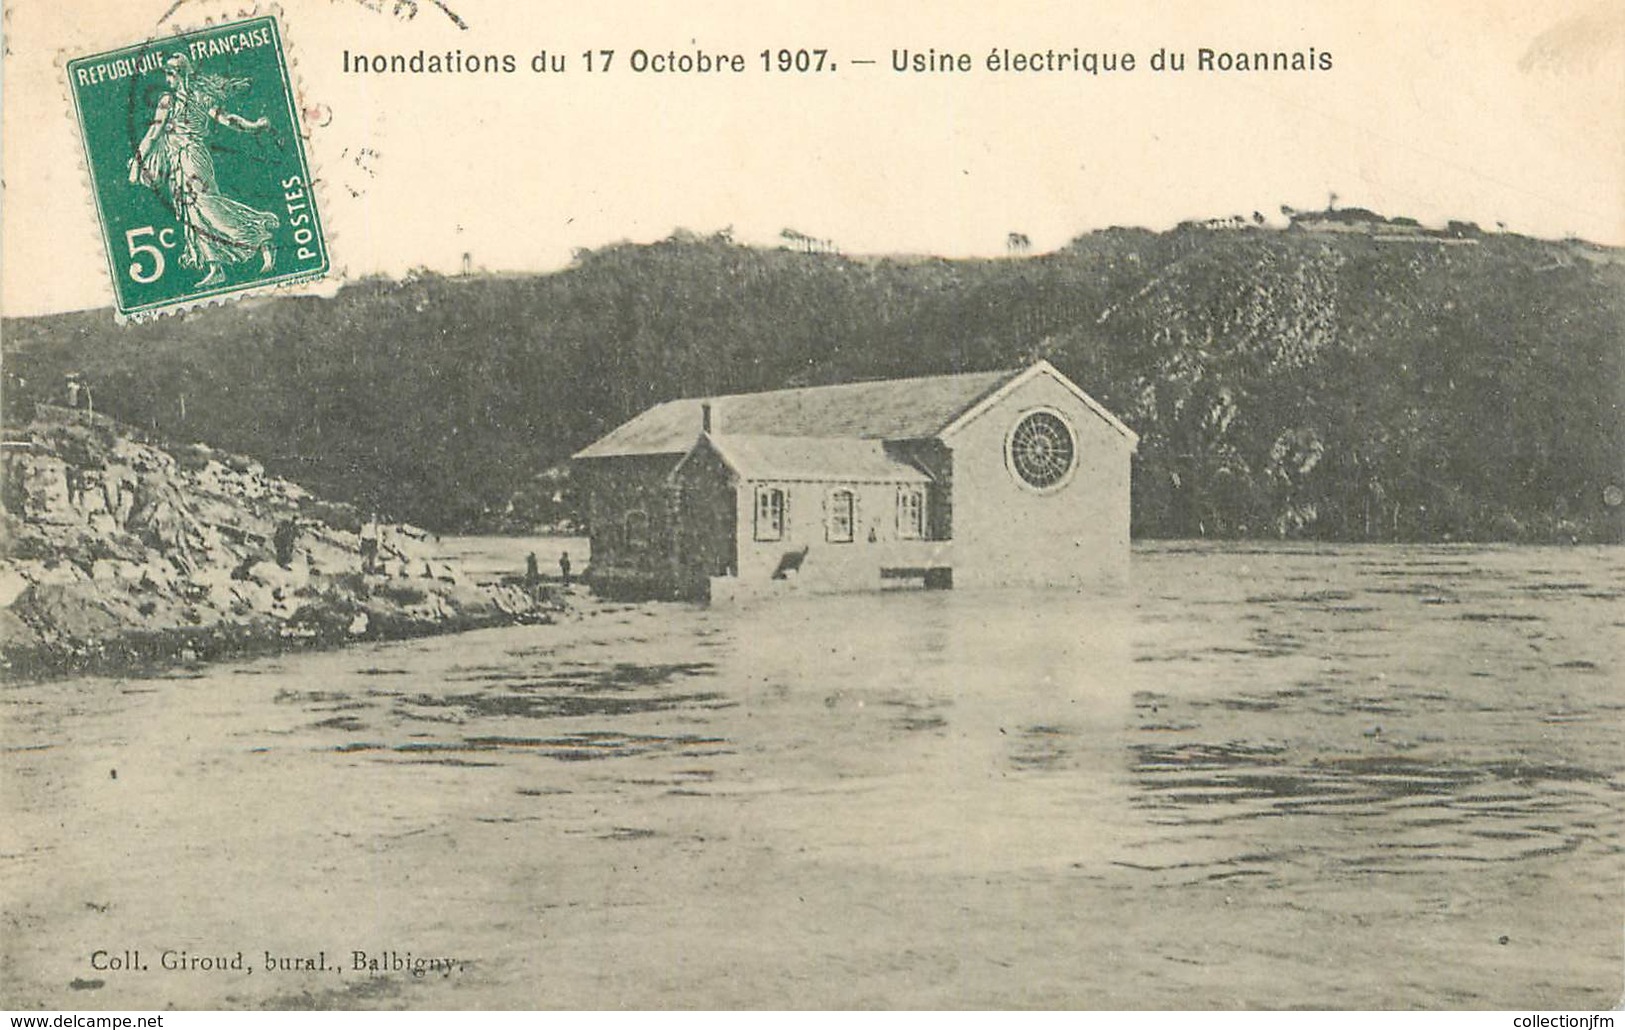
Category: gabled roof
<point>1039,368</point>
<point>889,409</point>
<point>808,459</point>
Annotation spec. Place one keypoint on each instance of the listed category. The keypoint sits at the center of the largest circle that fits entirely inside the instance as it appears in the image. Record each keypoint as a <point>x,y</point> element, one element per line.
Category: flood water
<point>1347,777</point>
<point>488,559</point>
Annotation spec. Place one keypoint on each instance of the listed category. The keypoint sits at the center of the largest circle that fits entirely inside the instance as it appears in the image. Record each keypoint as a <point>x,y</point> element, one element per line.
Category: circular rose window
<point>1042,450</point>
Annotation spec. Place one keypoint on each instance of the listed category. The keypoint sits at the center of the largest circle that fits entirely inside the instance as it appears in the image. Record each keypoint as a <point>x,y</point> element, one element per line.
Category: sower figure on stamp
<point>174,157</point>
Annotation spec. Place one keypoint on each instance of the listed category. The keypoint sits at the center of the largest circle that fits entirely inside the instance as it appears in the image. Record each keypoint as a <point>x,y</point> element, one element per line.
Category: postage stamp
<point>199,171</point>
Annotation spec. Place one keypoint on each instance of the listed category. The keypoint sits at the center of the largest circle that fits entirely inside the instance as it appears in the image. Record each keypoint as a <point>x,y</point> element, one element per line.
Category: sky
<point>1506,114</point>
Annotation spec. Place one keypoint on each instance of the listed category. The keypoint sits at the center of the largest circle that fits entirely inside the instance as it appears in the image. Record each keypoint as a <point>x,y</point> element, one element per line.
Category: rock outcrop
<point>117,554</point>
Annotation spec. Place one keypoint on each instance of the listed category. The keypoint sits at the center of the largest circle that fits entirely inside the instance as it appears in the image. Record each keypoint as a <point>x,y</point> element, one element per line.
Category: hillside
<point>1349,377</point>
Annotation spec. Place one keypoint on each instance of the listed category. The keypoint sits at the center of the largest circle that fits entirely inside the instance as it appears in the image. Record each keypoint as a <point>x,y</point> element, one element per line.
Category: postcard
<point>725,506</point>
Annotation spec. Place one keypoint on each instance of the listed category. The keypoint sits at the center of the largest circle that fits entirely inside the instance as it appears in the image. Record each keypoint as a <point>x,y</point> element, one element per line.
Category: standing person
<point>173,160</point>
<point>564,567</point>
<point>533,574</point>
<point>369,545</point>
<point>287,532</point>
<point>76,486</point>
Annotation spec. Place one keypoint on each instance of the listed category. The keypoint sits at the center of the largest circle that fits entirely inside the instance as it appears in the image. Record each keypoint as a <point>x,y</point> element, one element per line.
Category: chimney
<point>705,416</point>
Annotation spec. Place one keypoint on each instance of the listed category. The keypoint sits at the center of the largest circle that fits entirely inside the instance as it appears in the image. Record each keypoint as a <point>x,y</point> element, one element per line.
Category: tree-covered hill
<point>1347,377</point>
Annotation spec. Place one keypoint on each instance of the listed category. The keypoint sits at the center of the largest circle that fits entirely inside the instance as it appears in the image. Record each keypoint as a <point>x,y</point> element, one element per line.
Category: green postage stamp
<point>195,158</point>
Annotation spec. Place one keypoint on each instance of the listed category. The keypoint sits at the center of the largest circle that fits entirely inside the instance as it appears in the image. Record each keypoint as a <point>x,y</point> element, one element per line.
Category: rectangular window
<point>769,513</point>
<point>838,529</point>
<point>637,530</point>
<point>910,514</point>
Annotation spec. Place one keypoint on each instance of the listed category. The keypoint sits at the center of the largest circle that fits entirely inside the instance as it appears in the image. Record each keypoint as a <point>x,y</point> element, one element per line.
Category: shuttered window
<point>910,513</point>
<point>769,513</point>
<point>838,527</point>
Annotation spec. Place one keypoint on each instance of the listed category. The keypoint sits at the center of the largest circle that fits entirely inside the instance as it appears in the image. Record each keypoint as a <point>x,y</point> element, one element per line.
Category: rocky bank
<point>117,554</point>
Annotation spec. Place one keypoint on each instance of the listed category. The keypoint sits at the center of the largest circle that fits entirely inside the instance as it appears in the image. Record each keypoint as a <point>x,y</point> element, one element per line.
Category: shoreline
<point>140,653</point>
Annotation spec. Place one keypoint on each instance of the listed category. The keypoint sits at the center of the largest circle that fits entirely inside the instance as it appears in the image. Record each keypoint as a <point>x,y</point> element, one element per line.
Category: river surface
<point>1346,777</point>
